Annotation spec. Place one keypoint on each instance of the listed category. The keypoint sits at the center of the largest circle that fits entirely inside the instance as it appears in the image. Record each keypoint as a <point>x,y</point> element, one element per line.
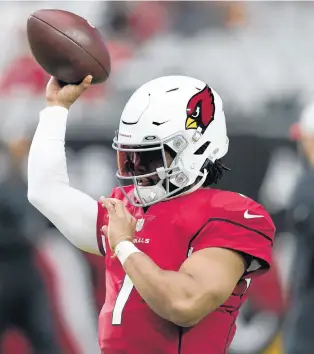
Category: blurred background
<point>256,55</point>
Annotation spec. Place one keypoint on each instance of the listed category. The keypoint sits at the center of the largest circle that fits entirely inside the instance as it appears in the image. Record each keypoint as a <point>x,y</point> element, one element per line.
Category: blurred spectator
<point>235,14</point>
<point>23,301</point>
<point>23,73</point>
<point>298,334</point>
<point>137,21</point>
<point>147,19</point>
<point>188,18</point>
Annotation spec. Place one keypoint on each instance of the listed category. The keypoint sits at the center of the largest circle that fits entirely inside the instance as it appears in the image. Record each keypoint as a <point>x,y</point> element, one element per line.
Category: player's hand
<point>121,224</point>
<point>65,96</point>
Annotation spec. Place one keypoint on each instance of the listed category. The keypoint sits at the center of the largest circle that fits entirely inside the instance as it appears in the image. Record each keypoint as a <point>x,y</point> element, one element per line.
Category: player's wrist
<point>56,109</point>
<point>124,249</point>
<point>57,104</point>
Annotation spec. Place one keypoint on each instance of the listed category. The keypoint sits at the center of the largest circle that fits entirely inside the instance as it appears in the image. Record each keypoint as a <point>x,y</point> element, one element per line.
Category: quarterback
<point>179,255</point>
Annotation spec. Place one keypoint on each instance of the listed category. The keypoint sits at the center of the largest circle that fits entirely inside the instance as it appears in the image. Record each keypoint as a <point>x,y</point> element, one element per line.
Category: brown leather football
<point>67,46</point>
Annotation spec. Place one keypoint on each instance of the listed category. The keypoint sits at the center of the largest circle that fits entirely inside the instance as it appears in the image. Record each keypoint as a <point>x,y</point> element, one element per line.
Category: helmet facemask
<point>154,168</point>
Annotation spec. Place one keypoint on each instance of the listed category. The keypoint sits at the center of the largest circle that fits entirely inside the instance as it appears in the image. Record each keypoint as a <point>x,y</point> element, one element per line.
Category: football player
<point>179,254</point>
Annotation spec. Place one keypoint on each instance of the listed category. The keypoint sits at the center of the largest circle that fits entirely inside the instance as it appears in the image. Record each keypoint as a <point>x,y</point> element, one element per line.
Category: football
<point>67,46</point>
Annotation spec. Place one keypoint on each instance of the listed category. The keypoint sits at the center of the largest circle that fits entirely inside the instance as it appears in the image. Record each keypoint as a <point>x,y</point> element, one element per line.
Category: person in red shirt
<point>179,254</point>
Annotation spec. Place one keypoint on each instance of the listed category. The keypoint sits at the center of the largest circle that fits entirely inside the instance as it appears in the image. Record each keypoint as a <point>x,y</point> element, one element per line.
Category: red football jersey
<point>168,233</point>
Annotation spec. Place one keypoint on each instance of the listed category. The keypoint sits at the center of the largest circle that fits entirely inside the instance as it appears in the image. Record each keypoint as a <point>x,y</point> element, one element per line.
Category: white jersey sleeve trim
<point>73,212</point>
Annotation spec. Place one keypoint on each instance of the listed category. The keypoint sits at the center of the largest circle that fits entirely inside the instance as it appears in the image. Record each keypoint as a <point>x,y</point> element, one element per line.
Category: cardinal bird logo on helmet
<point>200,110</point>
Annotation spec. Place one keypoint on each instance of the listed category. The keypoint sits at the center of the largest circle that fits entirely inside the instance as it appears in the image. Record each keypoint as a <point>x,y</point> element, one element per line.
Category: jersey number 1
<point>121,300</point>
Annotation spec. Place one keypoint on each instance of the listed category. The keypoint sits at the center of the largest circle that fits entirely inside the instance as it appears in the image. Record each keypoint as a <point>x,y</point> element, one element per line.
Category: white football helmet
<point>177,114</point>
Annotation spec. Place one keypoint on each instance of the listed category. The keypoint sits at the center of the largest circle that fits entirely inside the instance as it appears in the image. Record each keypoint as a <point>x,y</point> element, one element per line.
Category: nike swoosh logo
<point>250,216</point>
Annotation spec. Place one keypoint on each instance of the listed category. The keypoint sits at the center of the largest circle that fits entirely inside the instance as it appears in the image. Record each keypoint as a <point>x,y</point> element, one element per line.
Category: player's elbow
<point>37,189</point>
<point>32,196</point>
<point>183,315</point>
<point>189,312</point>
<point>186,322</point>
<point>35,195</point>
